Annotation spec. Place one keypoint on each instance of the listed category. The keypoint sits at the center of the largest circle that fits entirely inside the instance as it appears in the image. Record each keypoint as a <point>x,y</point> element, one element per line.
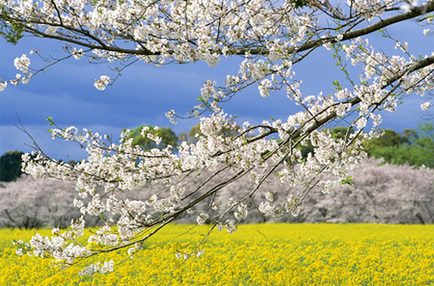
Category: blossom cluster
<point>23,65</point>
<point>272,37</point>
<point>121,168</point>
<point>101,83</point>
<point>166,31</point>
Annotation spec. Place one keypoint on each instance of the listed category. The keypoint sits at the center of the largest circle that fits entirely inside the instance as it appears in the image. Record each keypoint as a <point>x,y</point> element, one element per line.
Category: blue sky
<point>144,93</point>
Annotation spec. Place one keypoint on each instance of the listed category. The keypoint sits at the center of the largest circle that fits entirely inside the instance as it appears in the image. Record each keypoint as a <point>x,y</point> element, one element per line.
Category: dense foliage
<point>10,166</point>
<point>414,147</point>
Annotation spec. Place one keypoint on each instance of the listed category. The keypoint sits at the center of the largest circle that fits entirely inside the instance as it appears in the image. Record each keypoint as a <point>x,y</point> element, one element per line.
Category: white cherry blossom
<point>271,38</point>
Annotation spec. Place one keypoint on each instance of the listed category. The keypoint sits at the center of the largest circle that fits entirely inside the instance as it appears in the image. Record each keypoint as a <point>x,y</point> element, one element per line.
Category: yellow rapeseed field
<point>265,254</point>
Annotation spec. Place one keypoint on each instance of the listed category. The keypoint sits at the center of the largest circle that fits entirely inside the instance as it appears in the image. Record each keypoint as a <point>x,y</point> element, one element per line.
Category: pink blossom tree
<point>271,38</point>
<point>29,203</point>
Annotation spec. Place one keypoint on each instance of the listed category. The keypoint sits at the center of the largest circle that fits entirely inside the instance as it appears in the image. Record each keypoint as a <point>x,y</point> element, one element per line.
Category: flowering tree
<point>29,203</point>
<point>271,38</point>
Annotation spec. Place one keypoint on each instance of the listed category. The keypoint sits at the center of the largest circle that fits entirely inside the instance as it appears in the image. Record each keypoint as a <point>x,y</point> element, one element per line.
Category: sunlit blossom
<point>271,39</point>
<point>101,83</point>
<point>425,106</point>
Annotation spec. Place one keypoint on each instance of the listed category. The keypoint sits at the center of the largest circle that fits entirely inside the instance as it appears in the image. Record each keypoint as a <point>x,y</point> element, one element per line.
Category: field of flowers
<point>266,254</point>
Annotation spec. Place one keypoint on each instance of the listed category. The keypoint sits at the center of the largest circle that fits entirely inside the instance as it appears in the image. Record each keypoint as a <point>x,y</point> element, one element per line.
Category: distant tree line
<point>380,194</point>
<point>412,146</point>
<point>383,195</point>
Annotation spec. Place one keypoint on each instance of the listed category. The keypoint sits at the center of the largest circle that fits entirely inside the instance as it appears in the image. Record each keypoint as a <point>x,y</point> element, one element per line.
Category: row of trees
<point>380,193</point>
<point>412,146</point>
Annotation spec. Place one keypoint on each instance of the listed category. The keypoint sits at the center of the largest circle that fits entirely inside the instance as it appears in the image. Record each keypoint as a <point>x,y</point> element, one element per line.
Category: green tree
<point>421,148</point>
<point>414,147</point>
<point>426,138</point>
<point>168,137</point>
<point>10,166</point>
<point>191,135</point>
<point>389,139</point>
<point>194,133</point>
